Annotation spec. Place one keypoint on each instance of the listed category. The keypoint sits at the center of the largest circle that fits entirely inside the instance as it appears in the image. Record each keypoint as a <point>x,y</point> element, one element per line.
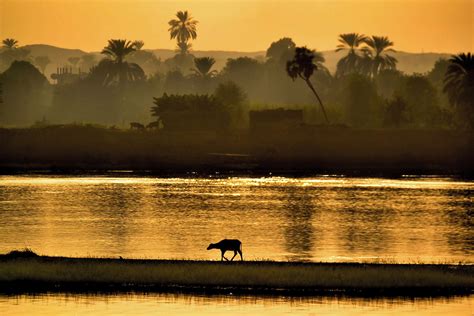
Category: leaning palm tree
<point>203,67</point>
<point>116,68</point>
<point>302,65</point>
<point>459,81</point>
<point>183,28</point>
<point>183,48</point>
<point>350,62</point>
<point>10,43</point>
<point>376,58</point>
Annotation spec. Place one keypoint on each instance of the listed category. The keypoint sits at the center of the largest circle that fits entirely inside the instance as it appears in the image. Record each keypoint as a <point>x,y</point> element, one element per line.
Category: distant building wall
<point>65,75</point>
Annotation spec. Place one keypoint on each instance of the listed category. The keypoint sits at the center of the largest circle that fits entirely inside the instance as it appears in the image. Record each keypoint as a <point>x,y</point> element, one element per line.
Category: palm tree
<point>73,61</point>
<point>138,44</point>
<point>116,68</point>
<point>376,58</point>
<point>117,49</point>
<point>350,62</point>
<point>203,67</point>
<point>459,81</point>
<point>42,62</point>
<point>88,61</point>
<point>183,48</point>
<point>10,43</point>
<point>303,65</point>
<point>183,28</point>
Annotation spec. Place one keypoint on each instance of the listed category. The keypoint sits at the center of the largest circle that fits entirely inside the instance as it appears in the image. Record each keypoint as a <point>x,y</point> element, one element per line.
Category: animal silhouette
<point>228,245</point>
<point>153,125</point>
<point>135,125</point>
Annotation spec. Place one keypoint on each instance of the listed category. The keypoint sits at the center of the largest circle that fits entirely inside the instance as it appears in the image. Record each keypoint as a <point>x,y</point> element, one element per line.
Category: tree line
<point>366,90</point>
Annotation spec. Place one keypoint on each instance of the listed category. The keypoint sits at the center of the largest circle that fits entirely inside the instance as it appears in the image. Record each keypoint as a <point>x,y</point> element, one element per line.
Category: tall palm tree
<point>10,43</point>
<point>183,47</point>
<point>116,68</point>
<point>350,62</point>
<point>303,65</point>
<point>459,81</point>
<point>376,58</point>
<point>203,67</point>
<point>183,28</point>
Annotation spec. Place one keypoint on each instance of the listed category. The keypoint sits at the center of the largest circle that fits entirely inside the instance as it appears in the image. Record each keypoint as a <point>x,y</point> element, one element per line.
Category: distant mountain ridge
<point>407,62</point>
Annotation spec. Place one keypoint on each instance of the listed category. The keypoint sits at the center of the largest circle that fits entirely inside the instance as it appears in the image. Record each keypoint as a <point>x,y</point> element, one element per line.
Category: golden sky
<point>241,25</point>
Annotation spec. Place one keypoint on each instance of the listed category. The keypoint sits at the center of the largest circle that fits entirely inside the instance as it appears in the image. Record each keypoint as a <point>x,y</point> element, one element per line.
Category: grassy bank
<point>308,149</point>
<point>92,274</point>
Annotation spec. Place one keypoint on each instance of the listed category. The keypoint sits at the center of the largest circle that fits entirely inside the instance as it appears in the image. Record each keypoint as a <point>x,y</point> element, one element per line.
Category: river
<point>325,218</point>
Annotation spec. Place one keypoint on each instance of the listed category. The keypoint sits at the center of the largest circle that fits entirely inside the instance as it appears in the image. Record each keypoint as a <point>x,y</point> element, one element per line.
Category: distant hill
<point>407,62</point>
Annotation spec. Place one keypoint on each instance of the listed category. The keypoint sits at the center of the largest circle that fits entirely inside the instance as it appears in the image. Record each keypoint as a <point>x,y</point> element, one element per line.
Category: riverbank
<point>304,150</point>
<point>31,273</point>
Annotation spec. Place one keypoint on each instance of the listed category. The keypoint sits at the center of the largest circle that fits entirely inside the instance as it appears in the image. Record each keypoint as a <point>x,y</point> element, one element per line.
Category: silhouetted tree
<point>376,58</point>
<point>10,43</point>
<point>203,67</point>
<point>281,51</point>
<point>436,75</point>
<point>116,68</point>
<point>183,28</point>
<point>388,81</point>
<point>146,60</point>
<point>351,62</point>
<point>138,44</point>
<point>459,84</point>
<point>422,100</point>
<point>42,62</point>
<point>246,72</point>
<point>183,48</point>
<point>395,112</point>
<point>234,99</point>
<point>190,112</point>
<point>88,61</point>
<point>73,61</point>
<point>176,82</point>
<point>362,104</point>
<point>26,94</point>
<point>12,52</point>
<point>302,65</point>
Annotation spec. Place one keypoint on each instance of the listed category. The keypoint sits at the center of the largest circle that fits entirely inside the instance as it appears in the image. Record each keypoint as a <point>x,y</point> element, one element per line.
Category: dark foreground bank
<point>32,273</point>
<point>307,150</point>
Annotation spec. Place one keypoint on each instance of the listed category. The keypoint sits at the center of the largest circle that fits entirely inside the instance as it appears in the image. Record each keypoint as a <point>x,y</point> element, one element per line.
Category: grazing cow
<point>155,124</point>
<point>228,244</point>
<point>135,125</point>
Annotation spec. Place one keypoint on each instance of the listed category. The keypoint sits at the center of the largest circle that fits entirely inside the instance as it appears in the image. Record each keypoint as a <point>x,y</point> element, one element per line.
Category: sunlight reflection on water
<point>311,219</point>
<point>179,304</point>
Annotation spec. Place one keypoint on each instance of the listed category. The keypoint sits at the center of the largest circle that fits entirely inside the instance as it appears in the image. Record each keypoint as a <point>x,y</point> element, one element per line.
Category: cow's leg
<point>235,254</point>
<point>223,257</point>
<point>240,253</point>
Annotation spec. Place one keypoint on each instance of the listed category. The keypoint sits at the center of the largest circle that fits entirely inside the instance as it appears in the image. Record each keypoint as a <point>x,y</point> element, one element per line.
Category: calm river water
<point>312,219</point>
<point>167,304</point>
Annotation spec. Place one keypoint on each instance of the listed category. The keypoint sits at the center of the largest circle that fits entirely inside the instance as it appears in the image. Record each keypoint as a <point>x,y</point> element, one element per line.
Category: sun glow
<point>415,26</point>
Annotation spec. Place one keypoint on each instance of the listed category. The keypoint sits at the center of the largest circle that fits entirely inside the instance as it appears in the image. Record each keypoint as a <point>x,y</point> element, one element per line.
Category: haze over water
<point>277,218</point>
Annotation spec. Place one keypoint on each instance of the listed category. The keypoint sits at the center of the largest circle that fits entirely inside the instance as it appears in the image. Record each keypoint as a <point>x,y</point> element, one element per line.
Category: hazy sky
<point>241,25</point>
